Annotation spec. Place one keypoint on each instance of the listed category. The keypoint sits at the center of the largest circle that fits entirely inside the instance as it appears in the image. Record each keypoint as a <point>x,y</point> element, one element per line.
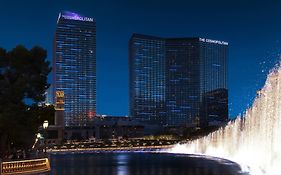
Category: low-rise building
<point>106,127</point>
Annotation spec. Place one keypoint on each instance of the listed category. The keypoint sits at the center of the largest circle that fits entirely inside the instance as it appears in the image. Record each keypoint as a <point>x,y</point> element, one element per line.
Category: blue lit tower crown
<point>74,66</point>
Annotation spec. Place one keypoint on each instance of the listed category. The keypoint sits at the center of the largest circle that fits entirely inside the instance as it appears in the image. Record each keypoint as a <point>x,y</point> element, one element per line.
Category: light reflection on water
<point>139,164</point>
<point>122,168</point>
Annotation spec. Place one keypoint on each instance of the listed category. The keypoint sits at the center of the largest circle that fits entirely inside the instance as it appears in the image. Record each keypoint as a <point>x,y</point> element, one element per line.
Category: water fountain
<point>254,139</point>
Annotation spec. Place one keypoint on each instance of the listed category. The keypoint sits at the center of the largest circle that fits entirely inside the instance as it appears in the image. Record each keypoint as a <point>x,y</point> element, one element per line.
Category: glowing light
<point>213,41</point>
<point>75,16</point>
<point>252,140</point>
<point>60,94</point>
<point>45,124</point>
<point>34,166</point>
<point>91,114</point>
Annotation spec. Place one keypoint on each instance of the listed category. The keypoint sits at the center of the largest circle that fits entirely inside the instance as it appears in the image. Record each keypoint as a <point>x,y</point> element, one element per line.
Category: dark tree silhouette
<point>23,81</point>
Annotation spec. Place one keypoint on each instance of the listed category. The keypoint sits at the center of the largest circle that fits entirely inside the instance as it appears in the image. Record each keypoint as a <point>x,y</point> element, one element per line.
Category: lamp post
<point>45,126</point>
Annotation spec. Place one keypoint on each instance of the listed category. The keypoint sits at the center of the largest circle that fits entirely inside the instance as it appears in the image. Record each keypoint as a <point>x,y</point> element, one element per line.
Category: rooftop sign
<point>74,16</point>
<point>213,41</point>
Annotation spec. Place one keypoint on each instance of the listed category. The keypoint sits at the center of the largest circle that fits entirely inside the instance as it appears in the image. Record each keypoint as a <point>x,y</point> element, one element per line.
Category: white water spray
<point>252,140</point>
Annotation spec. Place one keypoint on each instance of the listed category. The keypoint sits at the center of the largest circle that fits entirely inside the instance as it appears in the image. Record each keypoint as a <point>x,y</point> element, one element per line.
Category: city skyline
<point>251,53</point>
<point>140,87</point>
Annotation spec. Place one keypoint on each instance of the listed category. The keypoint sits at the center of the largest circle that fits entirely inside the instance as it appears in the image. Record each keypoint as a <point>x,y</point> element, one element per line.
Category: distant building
<point>187,77</point>
<point>74,67</point>
<point>215,105</point>
<point>107,127</point>
<point>49,96</point>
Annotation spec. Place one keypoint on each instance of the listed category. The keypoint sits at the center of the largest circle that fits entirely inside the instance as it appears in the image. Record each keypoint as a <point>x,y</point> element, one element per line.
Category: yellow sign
<point>59,94</point>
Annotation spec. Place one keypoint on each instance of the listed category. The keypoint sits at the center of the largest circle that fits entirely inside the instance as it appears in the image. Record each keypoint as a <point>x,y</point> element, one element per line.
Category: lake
<point>140,163</point>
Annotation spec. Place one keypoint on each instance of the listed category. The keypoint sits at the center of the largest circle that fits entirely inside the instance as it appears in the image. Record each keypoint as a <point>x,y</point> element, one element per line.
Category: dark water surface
<point>139,164</point>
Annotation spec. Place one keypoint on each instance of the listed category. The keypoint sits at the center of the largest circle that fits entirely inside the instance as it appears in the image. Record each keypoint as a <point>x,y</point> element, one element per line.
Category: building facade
<point>107,127</point>
<point>193,79</point>
<point>74,67</point>
<point>49,96</point>
<point>183,81</point>
<point>213,77</point>
<point>147,78</point>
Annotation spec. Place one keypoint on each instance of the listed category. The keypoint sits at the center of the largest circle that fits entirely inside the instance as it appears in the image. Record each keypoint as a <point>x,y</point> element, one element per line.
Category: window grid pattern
<point>147,79</point>
<point>74,69</point>
<point>213,77</point>
<point>176,81</point>
<point>183,81</point>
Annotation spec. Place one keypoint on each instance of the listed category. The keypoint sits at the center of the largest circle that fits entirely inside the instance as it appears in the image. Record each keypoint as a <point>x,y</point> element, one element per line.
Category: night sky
<point>252,28</point>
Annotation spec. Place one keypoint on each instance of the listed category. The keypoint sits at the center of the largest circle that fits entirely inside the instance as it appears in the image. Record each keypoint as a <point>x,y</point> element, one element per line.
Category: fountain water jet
<point>252,140</point>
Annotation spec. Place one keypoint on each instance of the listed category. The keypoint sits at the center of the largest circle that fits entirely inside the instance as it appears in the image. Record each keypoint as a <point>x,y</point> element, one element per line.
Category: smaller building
<point>53,135</point>
<point>49,96</point>
<point>215,104</point>
<point>106,127</point>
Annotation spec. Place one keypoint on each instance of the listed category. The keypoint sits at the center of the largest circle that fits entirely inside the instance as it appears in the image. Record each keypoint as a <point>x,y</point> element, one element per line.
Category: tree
<point>23,82</point>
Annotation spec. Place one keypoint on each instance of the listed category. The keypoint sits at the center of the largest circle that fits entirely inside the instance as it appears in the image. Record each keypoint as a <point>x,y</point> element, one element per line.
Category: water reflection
<point>122,161</point>
<point>139,164</point>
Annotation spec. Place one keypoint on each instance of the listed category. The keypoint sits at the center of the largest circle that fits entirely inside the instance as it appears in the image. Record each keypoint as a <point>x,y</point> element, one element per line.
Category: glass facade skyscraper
<point>213,77</point>
<point>147,78</point>
<point>74,67</point>
<point>193,79</point>
<point>183,81</point>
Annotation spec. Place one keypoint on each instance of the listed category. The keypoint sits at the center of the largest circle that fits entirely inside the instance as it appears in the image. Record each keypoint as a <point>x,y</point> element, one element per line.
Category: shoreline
<point>110,149</point>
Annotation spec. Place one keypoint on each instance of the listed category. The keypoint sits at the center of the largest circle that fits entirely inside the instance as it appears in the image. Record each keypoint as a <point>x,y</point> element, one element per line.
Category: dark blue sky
<point>253,29</point>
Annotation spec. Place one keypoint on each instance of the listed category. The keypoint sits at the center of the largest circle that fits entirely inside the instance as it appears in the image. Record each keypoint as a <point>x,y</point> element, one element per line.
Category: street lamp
<point>45,126</point>
<point>38,137</point>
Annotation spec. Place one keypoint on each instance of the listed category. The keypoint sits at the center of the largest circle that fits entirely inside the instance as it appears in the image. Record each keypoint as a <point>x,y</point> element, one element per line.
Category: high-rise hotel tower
<point>147,83</point>
<point>178,81</point>
<point>74,67</point>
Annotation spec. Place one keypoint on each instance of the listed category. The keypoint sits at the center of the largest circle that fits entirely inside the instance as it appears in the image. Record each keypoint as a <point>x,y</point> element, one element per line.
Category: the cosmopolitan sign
<point>78,18</point>
<point>213,41</point>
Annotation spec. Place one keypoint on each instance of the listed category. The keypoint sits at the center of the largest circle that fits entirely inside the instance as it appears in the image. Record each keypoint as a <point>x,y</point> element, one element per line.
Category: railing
<point>25,167</point>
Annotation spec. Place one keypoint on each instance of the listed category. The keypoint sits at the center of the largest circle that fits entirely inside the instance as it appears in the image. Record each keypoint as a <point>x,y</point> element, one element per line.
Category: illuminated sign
<point>74,16</point>
<point>59,100</point>
<point>59,94</point>
<point>213,41</point>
